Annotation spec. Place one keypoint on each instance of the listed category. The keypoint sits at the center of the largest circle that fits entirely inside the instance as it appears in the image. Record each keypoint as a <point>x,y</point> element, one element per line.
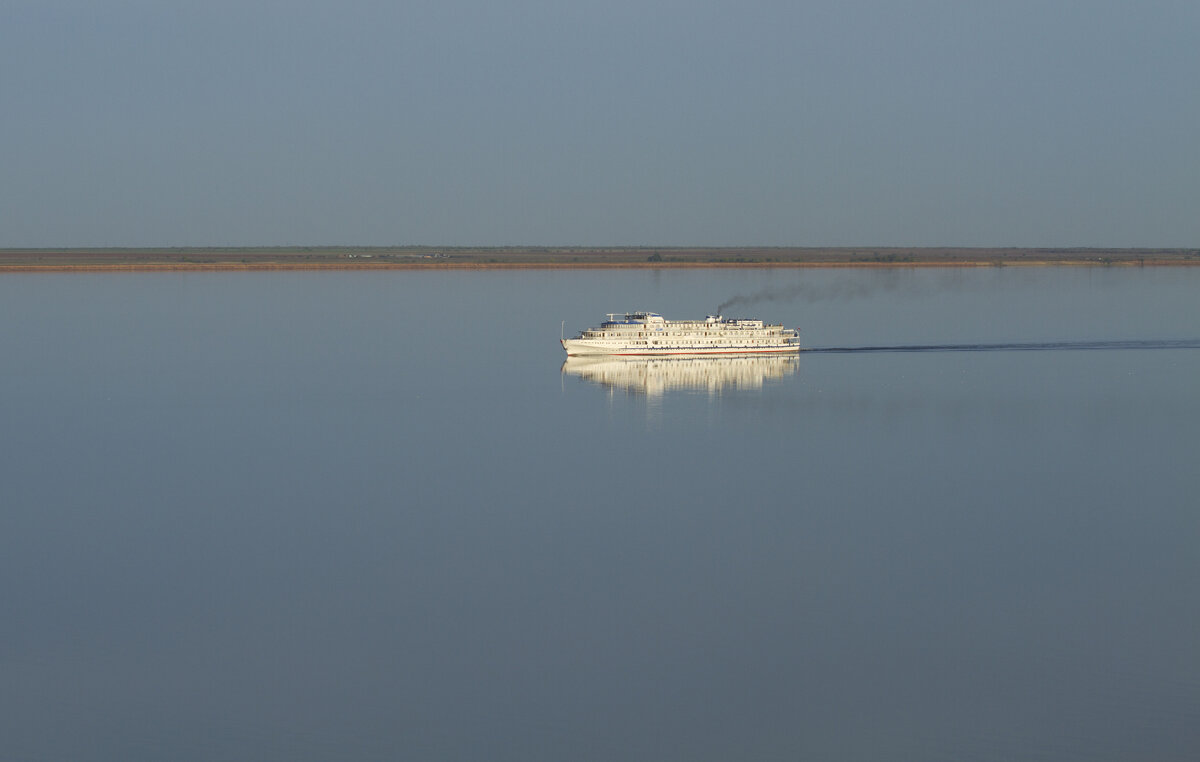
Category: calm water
<point>375,516</point>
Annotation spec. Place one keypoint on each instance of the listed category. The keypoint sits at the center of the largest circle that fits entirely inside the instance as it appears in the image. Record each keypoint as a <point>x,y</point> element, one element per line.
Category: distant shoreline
<point>484,258</point>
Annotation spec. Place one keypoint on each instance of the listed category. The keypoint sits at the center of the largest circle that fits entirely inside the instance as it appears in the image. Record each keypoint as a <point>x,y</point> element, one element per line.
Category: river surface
<point>376,516</point>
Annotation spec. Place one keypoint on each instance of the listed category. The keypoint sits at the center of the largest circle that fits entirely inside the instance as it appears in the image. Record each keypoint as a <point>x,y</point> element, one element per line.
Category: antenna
<point>563,330</point>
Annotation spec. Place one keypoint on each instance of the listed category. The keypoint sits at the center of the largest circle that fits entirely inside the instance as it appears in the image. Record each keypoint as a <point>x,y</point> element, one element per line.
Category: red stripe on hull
<point>693,352</point>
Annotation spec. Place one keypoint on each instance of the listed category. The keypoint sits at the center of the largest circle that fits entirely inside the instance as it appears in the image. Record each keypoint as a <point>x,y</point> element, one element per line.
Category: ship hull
<point>582,347</point>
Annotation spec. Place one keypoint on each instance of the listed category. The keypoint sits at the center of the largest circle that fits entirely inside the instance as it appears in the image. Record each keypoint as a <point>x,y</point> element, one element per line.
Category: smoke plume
<point>856,288</point>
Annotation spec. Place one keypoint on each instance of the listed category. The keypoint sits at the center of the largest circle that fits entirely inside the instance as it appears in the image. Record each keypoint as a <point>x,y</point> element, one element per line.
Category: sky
<point>600,123</point>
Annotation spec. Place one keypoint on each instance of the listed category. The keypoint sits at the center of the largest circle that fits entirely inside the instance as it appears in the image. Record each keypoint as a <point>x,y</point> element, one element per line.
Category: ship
<point>648,333</point>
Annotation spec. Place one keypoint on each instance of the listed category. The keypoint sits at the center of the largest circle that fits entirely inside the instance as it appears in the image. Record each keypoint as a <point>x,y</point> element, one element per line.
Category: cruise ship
<point>648,333</point>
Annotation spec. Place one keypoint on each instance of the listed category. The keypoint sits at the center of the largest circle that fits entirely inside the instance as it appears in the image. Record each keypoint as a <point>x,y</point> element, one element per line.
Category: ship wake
<point>1040,346</point>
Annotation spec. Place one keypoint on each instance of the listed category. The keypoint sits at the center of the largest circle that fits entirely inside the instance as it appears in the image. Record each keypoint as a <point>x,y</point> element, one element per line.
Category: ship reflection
<point>654,376</point>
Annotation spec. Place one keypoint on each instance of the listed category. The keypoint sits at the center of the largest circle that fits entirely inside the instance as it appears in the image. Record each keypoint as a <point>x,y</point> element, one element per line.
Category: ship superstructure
<point>648,333</point>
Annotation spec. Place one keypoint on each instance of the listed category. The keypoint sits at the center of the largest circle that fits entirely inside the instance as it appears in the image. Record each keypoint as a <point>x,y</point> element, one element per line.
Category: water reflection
<point>653,376</point>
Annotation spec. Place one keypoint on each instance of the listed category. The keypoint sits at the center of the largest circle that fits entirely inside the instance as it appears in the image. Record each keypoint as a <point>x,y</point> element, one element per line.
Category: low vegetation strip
<point>362,258</point>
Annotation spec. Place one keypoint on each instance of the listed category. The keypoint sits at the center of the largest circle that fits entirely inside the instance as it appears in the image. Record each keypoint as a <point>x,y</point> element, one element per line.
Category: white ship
<point>647,333</point>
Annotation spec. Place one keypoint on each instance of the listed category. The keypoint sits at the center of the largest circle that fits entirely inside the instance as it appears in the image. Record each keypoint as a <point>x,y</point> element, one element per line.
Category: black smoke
<point>856,288</point>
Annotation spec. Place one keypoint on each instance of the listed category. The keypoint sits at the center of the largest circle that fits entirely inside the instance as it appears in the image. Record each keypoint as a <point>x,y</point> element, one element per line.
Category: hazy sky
<point>871,122</point>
